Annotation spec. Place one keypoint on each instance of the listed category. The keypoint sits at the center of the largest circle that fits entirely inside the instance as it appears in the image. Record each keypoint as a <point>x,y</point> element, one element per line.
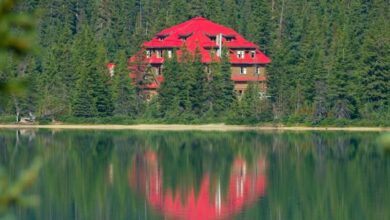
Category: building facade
<point>248,63</point>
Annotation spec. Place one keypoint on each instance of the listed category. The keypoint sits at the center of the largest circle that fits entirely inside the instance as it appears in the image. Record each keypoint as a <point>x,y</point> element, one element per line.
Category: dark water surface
<point>201,175</point>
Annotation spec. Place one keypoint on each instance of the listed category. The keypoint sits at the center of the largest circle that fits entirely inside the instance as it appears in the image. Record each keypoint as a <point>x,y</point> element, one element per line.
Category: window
<point>148,53</point>
<point>242,70</point>
<point>169,53</point>
<point>162,37</point>
<point>253,54</point>
<point>184,37</point>
<point>158,53</point>
<point>257,70</point>
<point>156,71</point>
<point>229,38</point>
<point>240,54</point>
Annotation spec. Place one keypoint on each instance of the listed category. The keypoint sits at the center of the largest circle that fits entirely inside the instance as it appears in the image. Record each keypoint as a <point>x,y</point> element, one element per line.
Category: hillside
<point>330,59</point>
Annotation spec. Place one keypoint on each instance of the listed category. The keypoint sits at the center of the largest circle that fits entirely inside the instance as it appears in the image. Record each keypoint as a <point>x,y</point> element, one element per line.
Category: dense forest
<point>330,62</point>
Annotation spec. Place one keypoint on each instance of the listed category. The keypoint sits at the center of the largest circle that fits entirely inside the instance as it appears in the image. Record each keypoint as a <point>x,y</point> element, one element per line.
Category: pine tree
<point>342,101</point>
<point>228,84</point>
<point>168,89</point>
<point>375,74</point>
<point>187,80</point>
<point>124,90</point>
<point>221,84</point>
<point>198,91</point>
<point>215,88</point>
<point>28,103</point>
<point>84,103</point>
<point>102,93</point>
<point>252,108</point>
<point>53,100</point>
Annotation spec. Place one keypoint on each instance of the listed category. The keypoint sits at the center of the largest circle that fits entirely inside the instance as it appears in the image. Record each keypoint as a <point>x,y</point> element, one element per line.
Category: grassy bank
<point>181,127</point>
<point>201,121</point>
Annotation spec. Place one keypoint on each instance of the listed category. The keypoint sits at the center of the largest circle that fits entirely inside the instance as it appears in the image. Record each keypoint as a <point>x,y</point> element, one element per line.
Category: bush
<point>7,119</point>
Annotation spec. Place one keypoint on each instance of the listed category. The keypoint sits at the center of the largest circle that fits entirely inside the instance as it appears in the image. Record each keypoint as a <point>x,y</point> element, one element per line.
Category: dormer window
<point>162,37</point>
<point>184,37</point>
<point>253,54</point>
<point>212,37</point>
<point>240,54</point>
<point>229,38</point>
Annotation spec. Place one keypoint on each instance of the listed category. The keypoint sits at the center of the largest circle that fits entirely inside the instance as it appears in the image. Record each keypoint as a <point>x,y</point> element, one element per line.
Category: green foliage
<point>199,88</point>
<point>83,104</point>
<point>252,107</point>
<point>330,65</point>
<point>124,92</point>
<point>16,29</point>
<point>167,94</point>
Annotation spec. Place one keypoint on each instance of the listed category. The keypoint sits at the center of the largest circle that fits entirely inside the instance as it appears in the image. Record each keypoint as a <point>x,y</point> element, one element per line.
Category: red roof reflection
<point>245,186</point>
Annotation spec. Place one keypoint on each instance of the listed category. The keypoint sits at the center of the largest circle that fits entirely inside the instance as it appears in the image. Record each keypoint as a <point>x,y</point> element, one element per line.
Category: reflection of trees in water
<point>308,176</point>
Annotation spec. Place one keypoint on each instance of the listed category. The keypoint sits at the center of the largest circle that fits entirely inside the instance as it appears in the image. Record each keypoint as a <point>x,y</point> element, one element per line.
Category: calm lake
<point>200,175</point>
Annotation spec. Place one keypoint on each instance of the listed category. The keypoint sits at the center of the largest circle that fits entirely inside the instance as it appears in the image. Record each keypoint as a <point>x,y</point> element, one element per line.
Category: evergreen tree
<point>221,84</point>
<point>228,84</point>
<point>124,90</point>
<point>375,74</point>
<point>198,91</point>
<point>252,107</point>
<point>84,103</point>
<point>101,89</point>
<point>185,76</point>
<point>341,93</point>
<point>53,101</point>
<point>28,102</point>
<point>168,89</point>
<point>332,62</point>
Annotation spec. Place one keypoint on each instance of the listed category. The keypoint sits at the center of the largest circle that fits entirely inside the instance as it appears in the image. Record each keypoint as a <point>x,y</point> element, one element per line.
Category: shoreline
<point>180,127</point>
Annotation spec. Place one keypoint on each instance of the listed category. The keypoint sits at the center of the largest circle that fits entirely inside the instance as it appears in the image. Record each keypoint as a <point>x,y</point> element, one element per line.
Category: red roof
<point>110,65</point>
<point>202,33</point>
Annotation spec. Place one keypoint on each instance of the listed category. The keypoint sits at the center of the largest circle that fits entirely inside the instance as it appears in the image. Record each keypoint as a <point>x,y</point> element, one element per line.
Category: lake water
<point>200,175</point>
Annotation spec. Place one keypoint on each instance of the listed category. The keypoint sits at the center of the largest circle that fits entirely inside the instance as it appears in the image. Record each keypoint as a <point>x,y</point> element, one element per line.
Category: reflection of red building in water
<point>245,186</point>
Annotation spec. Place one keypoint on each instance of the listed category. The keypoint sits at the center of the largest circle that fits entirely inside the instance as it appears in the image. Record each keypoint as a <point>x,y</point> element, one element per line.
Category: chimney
<point>219,44</point>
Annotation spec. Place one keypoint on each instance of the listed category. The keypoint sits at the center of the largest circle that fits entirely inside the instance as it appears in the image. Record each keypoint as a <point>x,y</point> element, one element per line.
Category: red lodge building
<point>247,61</point>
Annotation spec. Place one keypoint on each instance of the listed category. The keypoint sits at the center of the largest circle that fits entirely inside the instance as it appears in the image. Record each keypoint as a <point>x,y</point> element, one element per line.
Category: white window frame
<point>258,70</point>
<point>243,70</point>
<point>253,54</point>
<point>169,53</point>
<point>148,53</point>
<point>240,54</point>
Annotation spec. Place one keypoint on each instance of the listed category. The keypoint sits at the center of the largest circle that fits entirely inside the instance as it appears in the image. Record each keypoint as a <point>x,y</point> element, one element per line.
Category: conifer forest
<point>330,62</point>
